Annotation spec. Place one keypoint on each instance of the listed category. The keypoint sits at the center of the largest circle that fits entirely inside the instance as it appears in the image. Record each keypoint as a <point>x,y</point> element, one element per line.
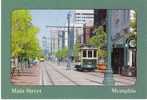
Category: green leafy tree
<point>76,50</point>
<point>133,25</point>
<point>58,54</point>
<point>24,35</point>
<point>99,41</point>
<point>62,53</point>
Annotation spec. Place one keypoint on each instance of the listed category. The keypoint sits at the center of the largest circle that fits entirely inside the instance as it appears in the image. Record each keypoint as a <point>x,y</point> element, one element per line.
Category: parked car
<point>36,61</point>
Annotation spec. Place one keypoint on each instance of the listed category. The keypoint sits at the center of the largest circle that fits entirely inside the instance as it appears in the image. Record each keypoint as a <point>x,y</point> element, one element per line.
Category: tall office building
<point>83,19</point>
<point>45,45</point>
<point>57,39</point>
<point>83,16</point>
<point>53,40</point>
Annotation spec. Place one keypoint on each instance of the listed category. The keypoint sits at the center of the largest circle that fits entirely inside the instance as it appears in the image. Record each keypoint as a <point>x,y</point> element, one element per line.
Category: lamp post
<point>69,42</point>
<point>108,75</point>
<point>125,54</point>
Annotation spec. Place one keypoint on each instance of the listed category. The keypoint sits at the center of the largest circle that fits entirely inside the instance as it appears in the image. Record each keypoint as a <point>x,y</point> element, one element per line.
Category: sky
<point>42,18</point>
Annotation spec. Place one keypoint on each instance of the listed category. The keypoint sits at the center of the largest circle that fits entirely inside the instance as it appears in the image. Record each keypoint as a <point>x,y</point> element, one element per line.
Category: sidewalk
<point>31,77</point>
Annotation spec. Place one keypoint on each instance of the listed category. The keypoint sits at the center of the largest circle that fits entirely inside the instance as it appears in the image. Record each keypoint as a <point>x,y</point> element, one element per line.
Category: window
<point>94,53</point>
<point>89,53</point>
<point>84,53</point>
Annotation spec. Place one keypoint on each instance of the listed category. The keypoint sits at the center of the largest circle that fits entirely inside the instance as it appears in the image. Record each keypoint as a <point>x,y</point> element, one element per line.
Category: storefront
<point>130,67</point>
<point>124,57</point>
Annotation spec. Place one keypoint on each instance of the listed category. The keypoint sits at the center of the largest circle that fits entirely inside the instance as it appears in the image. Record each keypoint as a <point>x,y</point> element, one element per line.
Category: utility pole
<point>69,42</point>
<point>51,44</point>
<point>108,76</point>
<point>58,40</point>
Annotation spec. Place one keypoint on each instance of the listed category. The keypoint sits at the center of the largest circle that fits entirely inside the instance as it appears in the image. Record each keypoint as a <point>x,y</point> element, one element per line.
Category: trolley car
<point>88,58</point>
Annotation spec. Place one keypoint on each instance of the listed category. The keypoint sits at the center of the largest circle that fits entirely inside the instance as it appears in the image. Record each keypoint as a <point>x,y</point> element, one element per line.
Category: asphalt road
<point>54,74</point>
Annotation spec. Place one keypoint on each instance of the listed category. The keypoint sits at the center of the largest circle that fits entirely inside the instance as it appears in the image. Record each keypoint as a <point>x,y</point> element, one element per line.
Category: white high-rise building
<point>81,18</point>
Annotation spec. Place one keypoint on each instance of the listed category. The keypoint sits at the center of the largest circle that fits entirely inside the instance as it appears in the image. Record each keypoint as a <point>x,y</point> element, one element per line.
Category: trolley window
<point>94,53</point>
<point>84,53</point>
<point>90,53</point>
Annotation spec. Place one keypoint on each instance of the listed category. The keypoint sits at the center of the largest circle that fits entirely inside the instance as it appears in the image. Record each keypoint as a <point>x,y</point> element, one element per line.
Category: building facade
<point>120,29</point>
<point>83,19</point>
<point>45,45</point>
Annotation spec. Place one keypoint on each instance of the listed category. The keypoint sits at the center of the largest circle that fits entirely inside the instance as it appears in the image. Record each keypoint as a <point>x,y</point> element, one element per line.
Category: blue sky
<point>42,18</point>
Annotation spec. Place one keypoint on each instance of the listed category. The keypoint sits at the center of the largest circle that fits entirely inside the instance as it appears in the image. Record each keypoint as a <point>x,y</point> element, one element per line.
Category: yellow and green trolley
<point>88,58</point>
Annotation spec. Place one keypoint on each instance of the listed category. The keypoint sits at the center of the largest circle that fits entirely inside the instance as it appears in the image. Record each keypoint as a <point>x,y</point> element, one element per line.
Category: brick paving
<point>30,77</point>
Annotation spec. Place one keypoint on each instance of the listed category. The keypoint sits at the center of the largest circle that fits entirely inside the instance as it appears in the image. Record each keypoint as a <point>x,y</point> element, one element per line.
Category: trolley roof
<point>86,46</point>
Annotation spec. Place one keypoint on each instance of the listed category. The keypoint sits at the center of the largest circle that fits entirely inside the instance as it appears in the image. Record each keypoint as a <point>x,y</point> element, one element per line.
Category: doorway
<point>117,60</point>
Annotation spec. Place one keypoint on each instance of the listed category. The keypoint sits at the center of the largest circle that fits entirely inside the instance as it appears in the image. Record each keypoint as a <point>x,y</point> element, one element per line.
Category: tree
<point>76,50</point>
<point>133,25</point>
<point>99,41</point>
<point>62,53</point>
<point>24,35</point>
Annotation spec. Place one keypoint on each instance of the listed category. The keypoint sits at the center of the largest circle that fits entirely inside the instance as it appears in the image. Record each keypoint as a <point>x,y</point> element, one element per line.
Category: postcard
<point>60,49</point>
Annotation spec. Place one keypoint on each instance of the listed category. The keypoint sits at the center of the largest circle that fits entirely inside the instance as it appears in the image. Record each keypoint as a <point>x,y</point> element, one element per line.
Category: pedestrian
<point>68,65</point>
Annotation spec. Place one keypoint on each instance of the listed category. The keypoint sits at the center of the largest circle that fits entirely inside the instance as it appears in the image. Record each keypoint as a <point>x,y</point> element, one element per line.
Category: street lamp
<point>69,42</point>
<point>108,75</point>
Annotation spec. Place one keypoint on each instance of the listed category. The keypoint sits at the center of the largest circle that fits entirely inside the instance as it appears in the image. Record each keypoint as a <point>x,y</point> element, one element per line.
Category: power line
<point>68,26</point>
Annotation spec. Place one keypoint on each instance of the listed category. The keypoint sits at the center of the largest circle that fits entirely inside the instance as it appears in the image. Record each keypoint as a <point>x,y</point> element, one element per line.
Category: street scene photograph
<point>73,47</point>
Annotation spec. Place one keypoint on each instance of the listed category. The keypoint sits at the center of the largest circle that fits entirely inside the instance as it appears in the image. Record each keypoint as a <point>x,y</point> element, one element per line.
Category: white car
<point>36,61</point>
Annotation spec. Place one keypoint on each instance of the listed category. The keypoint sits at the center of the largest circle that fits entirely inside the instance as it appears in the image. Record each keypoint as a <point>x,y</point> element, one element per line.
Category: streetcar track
<point>49,76</point>
<point>74,82</point>
<point>42,81</point>
<point>65,76</point>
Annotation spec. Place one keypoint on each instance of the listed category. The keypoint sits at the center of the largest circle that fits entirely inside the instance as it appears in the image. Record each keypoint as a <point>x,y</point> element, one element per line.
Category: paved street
<point>49,73</point>
<point>54,74</point>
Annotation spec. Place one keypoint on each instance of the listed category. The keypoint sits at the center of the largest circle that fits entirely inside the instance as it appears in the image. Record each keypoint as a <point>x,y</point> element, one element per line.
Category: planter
<point>101,67</point>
